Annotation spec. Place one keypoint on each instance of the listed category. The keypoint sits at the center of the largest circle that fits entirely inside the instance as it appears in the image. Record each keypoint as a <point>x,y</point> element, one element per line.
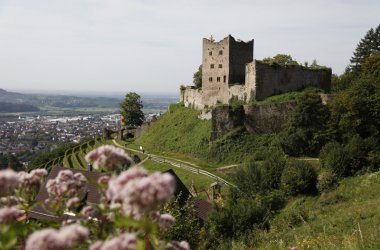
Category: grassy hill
<point>345,218</point>
<point>180,133</point>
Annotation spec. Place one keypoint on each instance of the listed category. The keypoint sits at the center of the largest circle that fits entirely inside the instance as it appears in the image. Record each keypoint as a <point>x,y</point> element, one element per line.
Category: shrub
<point>326,181</point>
<point>273,167</point>
<point>347,159</point>
<point>299,177</point>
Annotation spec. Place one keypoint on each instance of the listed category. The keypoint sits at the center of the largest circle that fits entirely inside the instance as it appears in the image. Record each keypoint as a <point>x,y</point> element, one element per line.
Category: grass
<point>286,97</point>
<point>201,182</point>
<point>345,218</point>
<point>180,134</point>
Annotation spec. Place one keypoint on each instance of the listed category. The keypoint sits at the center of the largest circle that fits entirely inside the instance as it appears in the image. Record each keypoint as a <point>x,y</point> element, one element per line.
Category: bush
<point>299,177</point>
<point>326,181</point>
<point>347,159</point>
<point>273,167</point>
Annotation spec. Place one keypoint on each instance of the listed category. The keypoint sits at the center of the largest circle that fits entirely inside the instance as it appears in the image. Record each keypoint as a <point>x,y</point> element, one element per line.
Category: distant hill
<point>151,102</point>
<point>7,107</point>
<point>4,93</point>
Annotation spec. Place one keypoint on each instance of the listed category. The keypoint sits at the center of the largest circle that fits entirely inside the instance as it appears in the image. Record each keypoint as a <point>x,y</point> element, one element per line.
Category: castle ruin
<point>230,71</point>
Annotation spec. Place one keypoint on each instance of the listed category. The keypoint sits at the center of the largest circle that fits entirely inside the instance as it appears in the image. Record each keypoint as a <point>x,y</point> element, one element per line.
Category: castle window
<point>210,53</point>
<point>212,66</point>
<point>218,79</point>
<point>220,52</point>
<point>210,79</point>
<point>224,78</point>
<point>220,66</point>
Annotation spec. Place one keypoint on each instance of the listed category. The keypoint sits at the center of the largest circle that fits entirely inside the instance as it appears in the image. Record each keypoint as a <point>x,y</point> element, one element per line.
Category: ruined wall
<point>237,91</point>
<point>268,118</point>
<point>250,80</point>
<point>240,54</point>
<point>224,119</point>
<point>192,98</point>
<point>272,80</point>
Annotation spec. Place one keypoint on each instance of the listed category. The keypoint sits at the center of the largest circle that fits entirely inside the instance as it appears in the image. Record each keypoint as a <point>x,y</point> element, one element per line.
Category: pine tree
<point>367,46</point>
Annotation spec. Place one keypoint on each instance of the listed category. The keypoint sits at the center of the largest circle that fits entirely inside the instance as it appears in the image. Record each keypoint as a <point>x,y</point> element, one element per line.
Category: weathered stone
<point>225,119</point>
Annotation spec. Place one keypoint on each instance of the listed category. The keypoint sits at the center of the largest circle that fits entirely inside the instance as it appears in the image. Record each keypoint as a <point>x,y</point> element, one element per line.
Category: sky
<point>156,45</point>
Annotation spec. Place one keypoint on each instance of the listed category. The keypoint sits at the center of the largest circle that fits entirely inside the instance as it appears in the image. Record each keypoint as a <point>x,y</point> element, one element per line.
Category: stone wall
<point>224,119</point>
<point>268,118</point>
<point>192,98</point>
<point>207,98</point>
<point>272,80</point>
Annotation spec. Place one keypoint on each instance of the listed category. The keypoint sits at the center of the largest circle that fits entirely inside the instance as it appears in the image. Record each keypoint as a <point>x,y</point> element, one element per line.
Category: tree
<point>367,46</point>
<point>304,134</point>
<point>197,77</point>
<point>131,109</point>
<point>281,60</point>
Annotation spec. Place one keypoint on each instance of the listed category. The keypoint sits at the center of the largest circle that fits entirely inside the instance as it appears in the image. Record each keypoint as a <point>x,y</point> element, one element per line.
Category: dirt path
<point>188,166</point>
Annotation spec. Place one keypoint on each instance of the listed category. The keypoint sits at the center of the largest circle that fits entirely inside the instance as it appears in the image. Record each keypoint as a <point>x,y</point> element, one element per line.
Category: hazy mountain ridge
<point>71,101</point>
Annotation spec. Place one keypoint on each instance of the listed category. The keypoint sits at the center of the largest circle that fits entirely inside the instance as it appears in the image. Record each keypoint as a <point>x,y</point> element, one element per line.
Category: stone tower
<point>223,62</point>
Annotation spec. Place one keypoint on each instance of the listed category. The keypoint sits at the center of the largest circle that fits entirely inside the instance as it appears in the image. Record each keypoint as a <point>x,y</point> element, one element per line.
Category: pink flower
<point>9,181</point>
<point>108,157</point>
<point>65,238</point>
<point>10,214</point>
<point>117,183</point>
<point>122,242</point>
<point>72,202</point>
<point>147,193</point>
<point>137,192</point>
<point>165,220</point>
<point>175,245</point>
<point>33,179</point>
<point>88,211</point>
<point>293,248</point>
<point>65,184</point>
<point>103,180</point>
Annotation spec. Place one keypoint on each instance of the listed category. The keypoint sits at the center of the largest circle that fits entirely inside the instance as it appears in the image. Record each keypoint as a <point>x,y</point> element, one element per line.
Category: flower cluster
<point>31,180</point>
<point>108,158</point>
<point>65,184</point>
<point>122,242</point>
<point>137,192</point>
<point>9,181</point>
<point>9,214</point>
<point>65,238</point>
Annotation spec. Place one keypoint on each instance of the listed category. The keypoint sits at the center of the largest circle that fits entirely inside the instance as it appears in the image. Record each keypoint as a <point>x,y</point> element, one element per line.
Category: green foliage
<point>326,181</point>
<point>348,159</point>
<point>131,109</point>
<point>371,65</point>
<point>274,166</point>
<point>357,110</point>
<point>367,46</point>
<point>299,177</point>
<point>290,96</point>
<point>280,60</point>
<point>197,77</point>
<point>8,160</point>
<point>304,132</point>
<point>187,225</point>
<point>236,103</point>
<point>41,159</point>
